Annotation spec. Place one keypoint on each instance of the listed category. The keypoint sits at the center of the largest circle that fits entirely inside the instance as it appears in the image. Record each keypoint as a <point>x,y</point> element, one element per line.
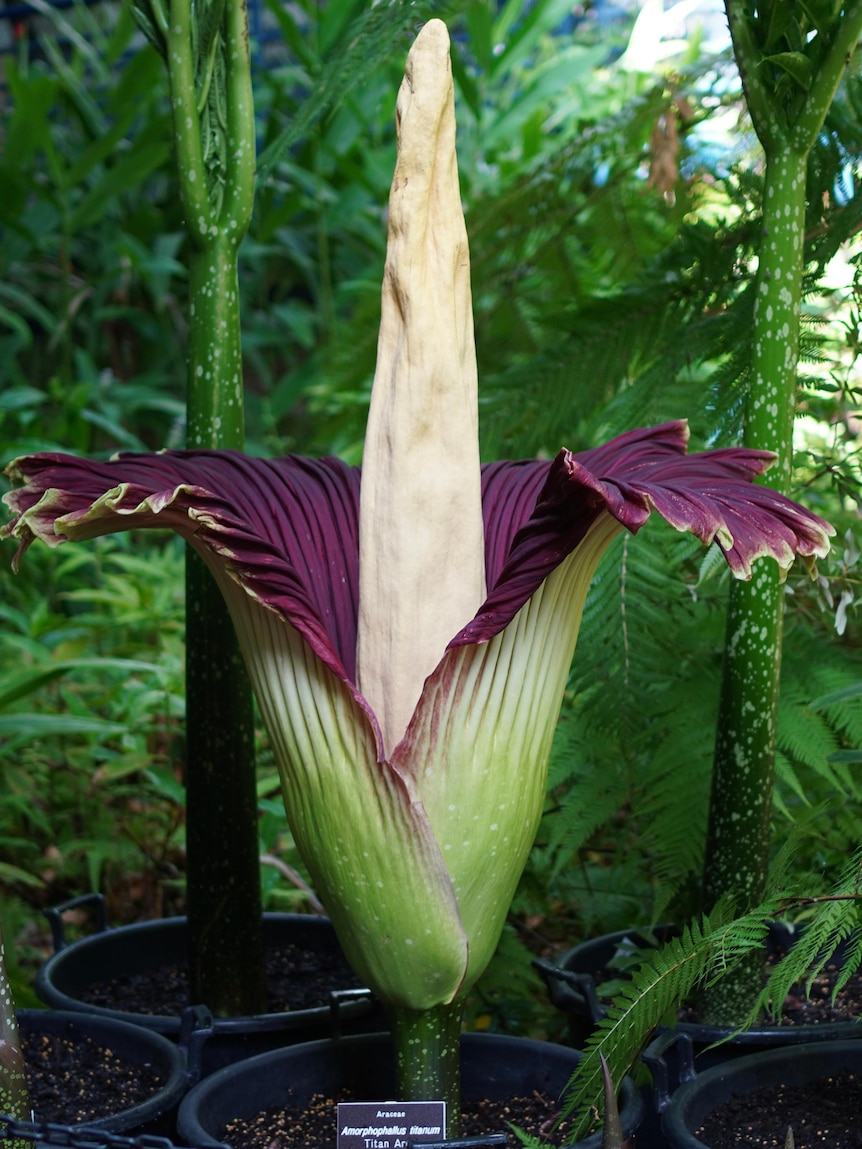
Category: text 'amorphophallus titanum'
<point>409,631</point>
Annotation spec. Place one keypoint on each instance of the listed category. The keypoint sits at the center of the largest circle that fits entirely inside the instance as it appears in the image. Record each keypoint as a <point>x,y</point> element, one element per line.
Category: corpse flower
<point>409,630</point>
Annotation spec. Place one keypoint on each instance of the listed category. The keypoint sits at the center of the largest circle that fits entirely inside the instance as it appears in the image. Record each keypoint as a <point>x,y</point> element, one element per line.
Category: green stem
<point>738,840</point>
<point>215,390</point>
<point>841,43</point>
<point>224,901</point>
<point>222,853</point>
<point>241,160</point>
<point>761,107</point>
<point>199,213</point>
<point>14,1101</point>
<point>427,1046</point>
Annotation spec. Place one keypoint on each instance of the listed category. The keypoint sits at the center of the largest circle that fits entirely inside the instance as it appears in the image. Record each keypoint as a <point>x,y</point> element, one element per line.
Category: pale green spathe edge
<point>483,777</point>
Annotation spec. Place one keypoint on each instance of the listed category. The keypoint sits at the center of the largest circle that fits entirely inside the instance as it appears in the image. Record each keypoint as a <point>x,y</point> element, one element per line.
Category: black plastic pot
<point>573,988</point>
<point>492,1067</point>
<point>129,950</point>
<point>134,1045</point>
<point>690,1106</point>
<point>572,983</point>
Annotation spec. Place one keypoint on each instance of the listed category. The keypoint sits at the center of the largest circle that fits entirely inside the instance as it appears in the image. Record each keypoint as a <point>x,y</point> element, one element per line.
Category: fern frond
<point>589,803</point>
<point>700,955</point>
<point>837,921</point>
<point>368,47</point>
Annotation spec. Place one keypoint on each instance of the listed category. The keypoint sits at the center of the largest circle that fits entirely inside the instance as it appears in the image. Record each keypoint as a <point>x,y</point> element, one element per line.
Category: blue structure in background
<point>20,19</point>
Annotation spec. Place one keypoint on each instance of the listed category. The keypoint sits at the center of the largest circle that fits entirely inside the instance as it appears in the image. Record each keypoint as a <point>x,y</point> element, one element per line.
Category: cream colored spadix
<point>421,554</point>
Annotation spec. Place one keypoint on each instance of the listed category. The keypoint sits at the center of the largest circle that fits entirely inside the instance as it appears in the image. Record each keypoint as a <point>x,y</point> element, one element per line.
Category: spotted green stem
<point>427,1045</point>
<point>14,1100</point>
<point>214,131</point>
<point>787,120</point>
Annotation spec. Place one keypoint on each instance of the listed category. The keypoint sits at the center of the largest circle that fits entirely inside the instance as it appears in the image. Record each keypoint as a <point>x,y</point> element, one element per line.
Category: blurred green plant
<point>90,333</point>
<point>91,712</point>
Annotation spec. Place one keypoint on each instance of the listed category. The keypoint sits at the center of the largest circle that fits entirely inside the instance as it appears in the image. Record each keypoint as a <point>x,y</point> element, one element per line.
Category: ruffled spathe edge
<point>287,529</point>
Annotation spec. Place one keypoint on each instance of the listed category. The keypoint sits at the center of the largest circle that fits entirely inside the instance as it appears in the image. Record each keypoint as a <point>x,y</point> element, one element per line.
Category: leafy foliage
<point>612,281</point>
<point>90,727</point>
<point>703,952</point>
<point>835,926</point>
<point>663,978</point>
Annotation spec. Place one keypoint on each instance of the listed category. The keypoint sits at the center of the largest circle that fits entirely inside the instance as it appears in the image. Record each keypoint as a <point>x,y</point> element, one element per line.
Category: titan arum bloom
<point>409,632</point>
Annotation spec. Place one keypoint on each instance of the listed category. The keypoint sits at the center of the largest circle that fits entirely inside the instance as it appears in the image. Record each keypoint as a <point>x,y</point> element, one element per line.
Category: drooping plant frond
<point>373,33</point>
<point>833,933</point>
<point>704,951</point>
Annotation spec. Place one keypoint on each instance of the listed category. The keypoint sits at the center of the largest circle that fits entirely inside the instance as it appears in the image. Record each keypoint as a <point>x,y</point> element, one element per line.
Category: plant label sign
<point>389,1124</point>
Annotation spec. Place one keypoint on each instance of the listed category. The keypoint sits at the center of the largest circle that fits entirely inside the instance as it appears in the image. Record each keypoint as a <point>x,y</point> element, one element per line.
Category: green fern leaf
<point>702,954</point>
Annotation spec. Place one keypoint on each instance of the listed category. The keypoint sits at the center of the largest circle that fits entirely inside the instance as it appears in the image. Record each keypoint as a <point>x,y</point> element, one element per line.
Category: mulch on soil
<point>296,978</point>
<point>74,1081</point>
<point>827,1113</point>
<point>315,1126</point>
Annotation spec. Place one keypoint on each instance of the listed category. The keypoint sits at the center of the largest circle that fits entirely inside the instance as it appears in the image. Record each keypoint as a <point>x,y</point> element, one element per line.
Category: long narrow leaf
<point>20,685</point>
<point>22,728</point>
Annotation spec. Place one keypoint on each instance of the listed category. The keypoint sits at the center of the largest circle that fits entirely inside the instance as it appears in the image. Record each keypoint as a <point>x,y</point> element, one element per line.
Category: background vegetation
<point>612,190</point>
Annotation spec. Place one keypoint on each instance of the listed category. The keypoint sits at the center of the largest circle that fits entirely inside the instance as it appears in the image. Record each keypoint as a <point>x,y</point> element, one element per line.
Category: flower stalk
<point>787,116</point>
<point>427,1045</point>
<point>207,54</point>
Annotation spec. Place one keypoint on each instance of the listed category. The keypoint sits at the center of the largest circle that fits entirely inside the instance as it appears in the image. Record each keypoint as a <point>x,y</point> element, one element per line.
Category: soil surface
<point>296,978</point>
<point>814,1008</point>
<point>817,1008</point>
<point>824,1115</point>
<point>827,1113</point>
<point>315,1126</point>
<point>74,1081</point>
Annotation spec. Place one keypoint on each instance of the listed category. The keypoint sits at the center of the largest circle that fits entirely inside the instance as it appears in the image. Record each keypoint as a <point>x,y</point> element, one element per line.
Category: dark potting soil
<point>74,1081</point>
<point>826,1114</point>
<point>296,978</point>
<point>816,1007</point>
<point>799,1008</point>
<point>315,1126</point>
